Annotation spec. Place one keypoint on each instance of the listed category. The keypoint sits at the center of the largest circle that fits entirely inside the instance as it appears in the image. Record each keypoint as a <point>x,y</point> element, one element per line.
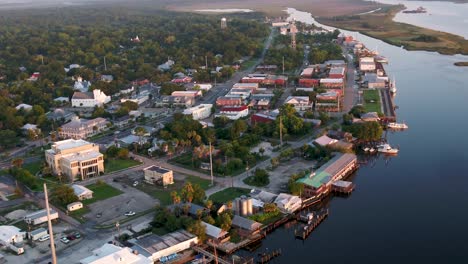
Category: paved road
<point>350,93</point>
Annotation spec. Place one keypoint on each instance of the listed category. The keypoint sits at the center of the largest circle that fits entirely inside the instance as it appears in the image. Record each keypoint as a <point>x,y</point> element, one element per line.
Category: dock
<point>387,105</point>
<point>343,187</point>
<point>266,257</point>
<point>313,223</point>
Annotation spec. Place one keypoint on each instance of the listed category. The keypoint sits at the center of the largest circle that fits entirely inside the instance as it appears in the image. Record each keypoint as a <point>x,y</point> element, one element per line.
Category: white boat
<point>393,88</point>
<point>386,148</point>
<point>372,150</point>
<point>394,125</point>
<point>365,149</point>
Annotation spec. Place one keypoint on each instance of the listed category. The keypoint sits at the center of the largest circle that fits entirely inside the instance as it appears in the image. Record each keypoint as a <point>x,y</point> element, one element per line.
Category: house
<point>166,66</point>
<point>193,209</point>
<point>81,85</point>
<point>229,101</point>
<point>25,107</point>
<point>141,82</point>
<point>191,94</point>
<point>288,203</point>
<point>40,217</point>
<point>300,103</point>
<point>74,206</point>
<point>60,115</point>
<point>340,135</point>
<point>62,99</point>
<point>234,112</point>
<point>325,141</point>
<point>306,82</point>
<point>122,121</point>
<point>148,130</point>
<point>367,64</point>
<point>30,127</point>
<point>158,248</point>
<point>155,174</point>
<point>127,90</point>
<point>107,78</point>
<point>307,72</point>
<point>264,196</point>
<point>34,77</point>
<point>184,79</point>
<point>89,99</point>
<point>75,159</point>
<point>112,254</point>
<point>245,225</point>
<point>82,192</point>
<point>80,128</point>
<point>215,233</point>
<point>131,139</point>
<point>198,112</point>
<point>335,63</point>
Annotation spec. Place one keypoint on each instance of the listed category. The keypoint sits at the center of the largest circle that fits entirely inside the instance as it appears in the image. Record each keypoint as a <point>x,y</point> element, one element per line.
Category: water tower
<point>223,23</point>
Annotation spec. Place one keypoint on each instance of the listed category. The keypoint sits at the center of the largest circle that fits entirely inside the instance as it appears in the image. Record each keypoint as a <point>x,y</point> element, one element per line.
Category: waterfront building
<point>320,181</point>
<point>75,158</point>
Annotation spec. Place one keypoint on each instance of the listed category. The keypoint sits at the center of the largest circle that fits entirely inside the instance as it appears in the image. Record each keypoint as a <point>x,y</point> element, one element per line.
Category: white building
<point>82,128</point>
<point>300,103</point>
<point>81,85</point>
<point>234,112</point>
<point>25,107</point>
<point>90,99</point>
<point>11,235</point>
<point>111,254</point>
<point>204,86</point>
<point>288,203</point>
<point>82,192</point>
<point>40,217</point>
<point>157,248</point>
<point>199,112</point>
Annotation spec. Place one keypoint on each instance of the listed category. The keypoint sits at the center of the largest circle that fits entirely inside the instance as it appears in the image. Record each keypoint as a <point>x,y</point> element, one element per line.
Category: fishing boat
<point>394,125</point>
<point>387,149</point>
<point>393,88</point>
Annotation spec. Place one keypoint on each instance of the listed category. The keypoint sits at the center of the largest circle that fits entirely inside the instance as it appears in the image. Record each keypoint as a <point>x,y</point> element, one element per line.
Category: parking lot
<point>113,209</point>
<point>279,177</point>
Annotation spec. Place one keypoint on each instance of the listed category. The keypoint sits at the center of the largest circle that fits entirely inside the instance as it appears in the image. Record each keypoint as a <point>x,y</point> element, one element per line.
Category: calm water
<point>444,16</point>
<point>413,207</point>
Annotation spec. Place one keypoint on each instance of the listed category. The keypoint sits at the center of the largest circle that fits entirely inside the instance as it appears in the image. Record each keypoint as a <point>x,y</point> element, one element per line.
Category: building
<point>267,68</point>
<point>335,63</point>
<point>198,112</point>
<point>166,66</point>
<point>37,233</point>
<point>330,83</point>
<point>234,112</point>
<point>82,192</point>
<point>156,248</point>
<point>229,101</point>
<point>307,72</point>
<point>40,217</point>
<point>288,203</point>
<point>25,107</point>
<point>74,206</point>
<point>242,93</point>
<point>251,86</point>
<point>216,234</point>
<point>300,103</point>
<point>111,254</point>
<point>243,206</point>
<point>367,64</point>
<point>305,82</point>
<point>192,94</point>
<point>370,117</point>
<point>158,175</point>
<point>81,85</point>
<point>90,99</point>
<point>328,101</point>
<point>245,225</point>
<point>337,73</point>
<point>107,78</point>
<point>12,237</point>
<point>320,181</point>
<point>324,141</point>
<point>374,81</point>
<point>61,115</point>
<point>176,101</point>
<point>75,159</point>
<point>82,128</point>
<point>182,80</point>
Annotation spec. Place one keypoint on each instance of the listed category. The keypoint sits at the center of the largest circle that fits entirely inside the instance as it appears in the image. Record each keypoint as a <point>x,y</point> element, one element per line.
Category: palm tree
<point>17,162</point>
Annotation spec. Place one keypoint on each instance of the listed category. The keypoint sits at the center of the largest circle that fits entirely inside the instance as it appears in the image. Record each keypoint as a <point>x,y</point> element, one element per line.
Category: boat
<point>393,88</point>
<point>419,10</point>
<point>386,148</point>
<point>394,125</point>
<point>381,59</point>
<point>372,150</point>
<point>366,149</point>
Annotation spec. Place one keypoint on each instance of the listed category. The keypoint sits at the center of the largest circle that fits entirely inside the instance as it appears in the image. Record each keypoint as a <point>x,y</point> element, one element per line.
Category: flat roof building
<point>111,254</point>
<point>156,174</point>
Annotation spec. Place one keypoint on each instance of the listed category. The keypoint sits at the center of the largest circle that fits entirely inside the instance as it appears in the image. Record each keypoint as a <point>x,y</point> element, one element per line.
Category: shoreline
<point>380,25</point>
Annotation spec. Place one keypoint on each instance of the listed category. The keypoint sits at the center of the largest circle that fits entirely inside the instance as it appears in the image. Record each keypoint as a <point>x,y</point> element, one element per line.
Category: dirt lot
<point>279,177</point>
<point>276,7</point>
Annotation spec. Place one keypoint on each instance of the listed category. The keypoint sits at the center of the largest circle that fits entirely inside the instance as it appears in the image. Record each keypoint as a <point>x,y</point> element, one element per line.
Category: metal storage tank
<point>249,206</point>
<point>244,210</point>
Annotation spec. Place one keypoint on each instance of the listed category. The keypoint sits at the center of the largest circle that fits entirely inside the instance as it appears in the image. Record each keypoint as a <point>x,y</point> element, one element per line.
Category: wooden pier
<point>266,257</point>
<point>308,228</point>
<point>387,105</point>
<point>343,187</point>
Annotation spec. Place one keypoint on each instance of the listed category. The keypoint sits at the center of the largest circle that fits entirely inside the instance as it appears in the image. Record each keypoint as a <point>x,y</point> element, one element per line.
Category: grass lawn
<point>79,214</point>
<point>228,194</point>
<point>33,167</point>
<point>205,184</point>
<point>101,192</point>
<point>372,101</point>
<point>112,165</point>
<point>250,181</point>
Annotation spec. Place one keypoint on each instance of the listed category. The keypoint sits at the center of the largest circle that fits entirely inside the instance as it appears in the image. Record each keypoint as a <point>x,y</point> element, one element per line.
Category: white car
<point>65,240</point>
<point>130,213</point>
<point>44,238</point>
<point>135,183</point>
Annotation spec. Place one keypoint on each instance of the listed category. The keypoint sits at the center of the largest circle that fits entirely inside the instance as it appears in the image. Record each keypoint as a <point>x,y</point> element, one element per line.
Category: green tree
<point>63,195</point>
<point>199,229</point>
<point>187,192</point>
<point>224,221</point>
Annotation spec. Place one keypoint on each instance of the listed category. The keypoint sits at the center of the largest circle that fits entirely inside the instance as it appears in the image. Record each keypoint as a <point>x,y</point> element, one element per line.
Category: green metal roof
<point>317,180</point>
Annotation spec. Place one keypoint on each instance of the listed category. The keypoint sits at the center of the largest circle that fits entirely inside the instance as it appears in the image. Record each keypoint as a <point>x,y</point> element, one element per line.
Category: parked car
<point>65,240</point>
<point>71,237</point>
<point>135,183</point>
<point>130,213</point>
<point>77,235</point>
<point>44,238</point>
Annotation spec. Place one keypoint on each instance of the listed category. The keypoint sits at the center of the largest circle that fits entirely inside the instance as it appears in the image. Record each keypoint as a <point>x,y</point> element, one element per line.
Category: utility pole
<point>105,64</point>
<point>211,166</point>
<point>283,65</point>
<point>42,59</point>
<point>51,232</point>
<point>281,130</point>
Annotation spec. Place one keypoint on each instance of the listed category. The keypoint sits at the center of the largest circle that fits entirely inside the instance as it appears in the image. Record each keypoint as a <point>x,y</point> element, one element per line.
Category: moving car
<point>130,213</point>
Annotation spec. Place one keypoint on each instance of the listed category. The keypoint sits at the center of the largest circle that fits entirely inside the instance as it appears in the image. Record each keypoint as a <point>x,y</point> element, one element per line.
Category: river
<point>411,208</point>
<point>443,16</point>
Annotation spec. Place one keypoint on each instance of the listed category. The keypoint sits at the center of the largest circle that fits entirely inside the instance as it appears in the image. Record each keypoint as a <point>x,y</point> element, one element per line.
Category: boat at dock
<point>387,149</point>
<point>393,88</point>
<point>394,125</point>
<point>381,59</point>
<point>419,10</point>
